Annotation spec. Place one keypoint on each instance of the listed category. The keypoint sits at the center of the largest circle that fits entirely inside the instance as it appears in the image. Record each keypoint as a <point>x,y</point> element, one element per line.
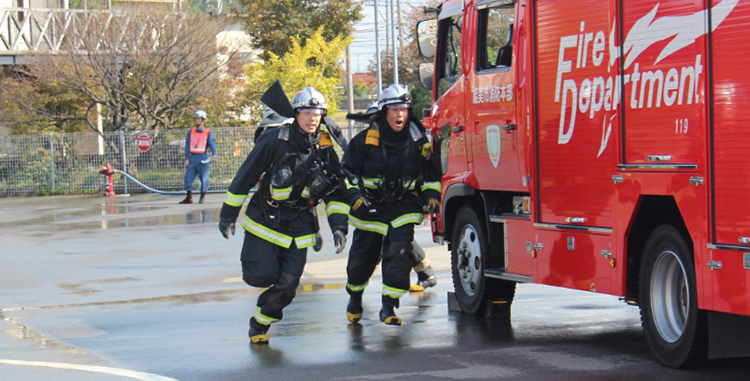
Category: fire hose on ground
<point>108,171</point>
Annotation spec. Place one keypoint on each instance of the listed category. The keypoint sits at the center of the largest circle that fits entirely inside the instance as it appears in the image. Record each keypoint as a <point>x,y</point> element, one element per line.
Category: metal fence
<point>69,163</point>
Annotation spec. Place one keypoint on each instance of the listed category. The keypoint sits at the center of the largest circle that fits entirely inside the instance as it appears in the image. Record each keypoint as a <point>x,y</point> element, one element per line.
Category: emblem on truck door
<point>493,144</point>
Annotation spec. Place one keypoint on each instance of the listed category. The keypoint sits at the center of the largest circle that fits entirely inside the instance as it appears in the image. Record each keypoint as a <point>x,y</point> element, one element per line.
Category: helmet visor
<point>399,105</point>
<point>314,111</point>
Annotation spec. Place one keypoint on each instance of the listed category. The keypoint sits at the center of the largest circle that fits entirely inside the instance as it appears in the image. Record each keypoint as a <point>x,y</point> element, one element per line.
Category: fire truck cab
<point>600,146</point>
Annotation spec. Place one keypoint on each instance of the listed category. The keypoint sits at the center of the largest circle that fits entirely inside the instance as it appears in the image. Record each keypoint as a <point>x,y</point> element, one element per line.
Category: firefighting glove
<point>362,201</point>
<point>339,240</point>
<point>432,206</point>
<point>225,227</point>
<point>318,242</point>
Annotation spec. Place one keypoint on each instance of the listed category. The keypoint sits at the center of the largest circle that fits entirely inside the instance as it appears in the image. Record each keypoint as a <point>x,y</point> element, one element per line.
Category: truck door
<point>492,114</point>
<point>730,181</point>
<point>664,84</point>
<point>731,109</point>
<point>449,92</point>
<point>577,114</point>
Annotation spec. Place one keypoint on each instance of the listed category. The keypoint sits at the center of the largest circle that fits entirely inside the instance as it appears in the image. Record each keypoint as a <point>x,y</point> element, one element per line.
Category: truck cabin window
<point>449,53</point>
<point>495,38</point>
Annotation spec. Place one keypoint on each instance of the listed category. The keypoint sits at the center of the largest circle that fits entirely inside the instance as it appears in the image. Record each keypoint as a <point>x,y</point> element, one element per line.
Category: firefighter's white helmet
<point>309,98</point>
<point>395,96</point>
<point>272,119</point>
<point>373,108</point>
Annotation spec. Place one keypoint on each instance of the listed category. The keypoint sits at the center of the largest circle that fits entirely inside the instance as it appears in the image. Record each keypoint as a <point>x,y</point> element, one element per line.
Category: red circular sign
<point>143,142</point>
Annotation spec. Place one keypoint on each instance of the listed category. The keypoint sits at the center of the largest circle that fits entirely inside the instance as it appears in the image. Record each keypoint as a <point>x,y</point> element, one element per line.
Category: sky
<point>363,46</point>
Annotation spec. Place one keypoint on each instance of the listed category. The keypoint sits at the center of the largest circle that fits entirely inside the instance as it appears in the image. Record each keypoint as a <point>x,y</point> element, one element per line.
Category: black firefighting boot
<point>354,308</point>
<point>203,197</point>
<point>188,198</point>
<point>387,315</point>
<point>425,276</point>
<point>257,332</point>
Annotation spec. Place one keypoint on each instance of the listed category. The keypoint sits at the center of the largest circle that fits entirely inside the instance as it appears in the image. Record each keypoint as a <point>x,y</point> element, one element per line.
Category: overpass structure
<point>25,31</point>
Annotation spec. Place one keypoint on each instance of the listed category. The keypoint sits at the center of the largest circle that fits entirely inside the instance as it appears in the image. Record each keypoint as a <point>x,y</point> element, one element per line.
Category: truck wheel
<point>674,327</point>
<point>469,251</point>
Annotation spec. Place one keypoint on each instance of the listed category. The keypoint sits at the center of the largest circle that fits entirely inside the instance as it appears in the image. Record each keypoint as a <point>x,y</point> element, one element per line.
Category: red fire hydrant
<point>107,171</point>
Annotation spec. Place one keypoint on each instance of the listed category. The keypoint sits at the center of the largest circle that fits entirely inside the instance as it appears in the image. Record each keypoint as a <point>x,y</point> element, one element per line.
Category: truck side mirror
<point>427,38</point>
<point>426,72</point>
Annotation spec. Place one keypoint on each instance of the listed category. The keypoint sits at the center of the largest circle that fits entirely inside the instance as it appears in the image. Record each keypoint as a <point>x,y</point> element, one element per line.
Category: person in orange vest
<point>197,162</point>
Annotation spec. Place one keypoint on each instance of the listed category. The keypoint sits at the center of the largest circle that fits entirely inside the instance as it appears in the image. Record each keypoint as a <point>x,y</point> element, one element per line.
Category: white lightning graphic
<point>685,30</point>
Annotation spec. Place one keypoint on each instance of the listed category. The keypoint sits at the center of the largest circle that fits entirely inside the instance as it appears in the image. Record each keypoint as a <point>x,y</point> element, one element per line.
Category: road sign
<point>143,142</point>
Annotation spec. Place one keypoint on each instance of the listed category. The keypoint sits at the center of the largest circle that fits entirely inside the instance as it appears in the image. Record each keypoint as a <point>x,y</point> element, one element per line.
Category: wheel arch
<point>456,196</point>
<point>652,211</point>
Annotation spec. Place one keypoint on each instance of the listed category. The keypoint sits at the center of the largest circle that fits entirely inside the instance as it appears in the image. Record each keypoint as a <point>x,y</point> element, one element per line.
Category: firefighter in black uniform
<point>393,182</point>
<point>297,167</point>
<point>420,263</point>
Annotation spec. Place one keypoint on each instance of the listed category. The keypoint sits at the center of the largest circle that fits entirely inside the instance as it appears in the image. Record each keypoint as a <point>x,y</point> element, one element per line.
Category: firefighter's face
<point>309,119</point>
<point>397,117</point>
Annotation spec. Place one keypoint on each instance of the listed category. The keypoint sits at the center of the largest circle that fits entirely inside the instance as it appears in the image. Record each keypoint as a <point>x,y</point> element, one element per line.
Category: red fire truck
<point>599,145</point>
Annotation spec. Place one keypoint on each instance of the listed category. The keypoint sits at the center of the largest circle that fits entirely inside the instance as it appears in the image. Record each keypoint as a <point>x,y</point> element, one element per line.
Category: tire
<point>469,256</point>
<point>674,327</point>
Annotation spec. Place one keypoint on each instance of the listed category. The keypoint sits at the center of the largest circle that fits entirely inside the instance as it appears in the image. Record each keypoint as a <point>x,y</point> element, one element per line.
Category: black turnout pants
<point>265,264</point>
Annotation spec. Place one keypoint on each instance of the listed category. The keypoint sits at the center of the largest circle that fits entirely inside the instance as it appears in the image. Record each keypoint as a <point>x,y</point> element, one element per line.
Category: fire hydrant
<point>107,171</point>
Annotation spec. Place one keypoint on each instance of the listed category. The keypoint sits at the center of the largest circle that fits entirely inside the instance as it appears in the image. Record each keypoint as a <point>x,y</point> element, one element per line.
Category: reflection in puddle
<point>113,216</point>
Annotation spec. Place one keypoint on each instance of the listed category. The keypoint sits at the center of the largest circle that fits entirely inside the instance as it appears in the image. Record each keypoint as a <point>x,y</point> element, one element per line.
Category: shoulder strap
<point>280,139</point>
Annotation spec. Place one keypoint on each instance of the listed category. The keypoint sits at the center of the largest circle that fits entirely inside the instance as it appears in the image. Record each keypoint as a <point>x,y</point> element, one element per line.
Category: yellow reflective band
<point>410,184</point>
<point>264,319</point>
<point>422,265</point>
<point>280,194</point>
<point>393,292</point>
<point>356,288</point>
<point>305,241</point>
<point>349,185</point>
<point>235,199</point>
<point>267,234</point>
<point>370,226</point>
<point>305,193</point>
<point>411,218</point>
<point>371,183</point>
<point>336,207</point>
<point>434,185</point>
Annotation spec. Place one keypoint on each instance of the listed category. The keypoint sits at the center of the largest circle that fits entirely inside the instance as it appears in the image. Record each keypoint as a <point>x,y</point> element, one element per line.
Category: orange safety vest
<point>198,140</point>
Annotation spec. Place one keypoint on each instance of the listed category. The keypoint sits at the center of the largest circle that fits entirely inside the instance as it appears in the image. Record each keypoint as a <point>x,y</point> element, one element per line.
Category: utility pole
<point>350,88</point>
<point>377,50</point>
<point>393,43</point>
<point>400,29</point>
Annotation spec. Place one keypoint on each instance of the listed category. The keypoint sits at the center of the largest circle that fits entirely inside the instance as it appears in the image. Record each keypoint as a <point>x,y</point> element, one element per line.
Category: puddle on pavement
<point>65,221</point>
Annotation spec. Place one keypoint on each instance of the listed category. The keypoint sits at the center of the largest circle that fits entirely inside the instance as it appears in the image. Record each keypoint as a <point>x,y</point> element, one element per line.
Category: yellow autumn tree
<point>316,64</point>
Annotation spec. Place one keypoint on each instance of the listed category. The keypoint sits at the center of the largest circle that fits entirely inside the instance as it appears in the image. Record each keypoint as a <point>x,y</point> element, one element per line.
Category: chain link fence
<point>70,162</point>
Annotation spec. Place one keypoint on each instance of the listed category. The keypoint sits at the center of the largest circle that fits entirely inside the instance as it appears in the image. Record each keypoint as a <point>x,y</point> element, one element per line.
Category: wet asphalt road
<point>140,288</point>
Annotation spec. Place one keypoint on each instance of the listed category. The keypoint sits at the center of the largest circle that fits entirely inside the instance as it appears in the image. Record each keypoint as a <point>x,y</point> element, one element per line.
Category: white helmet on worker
<point>309,98</point>
<point>395,96</point>
<point>272,119</point>
<point>200,114</point>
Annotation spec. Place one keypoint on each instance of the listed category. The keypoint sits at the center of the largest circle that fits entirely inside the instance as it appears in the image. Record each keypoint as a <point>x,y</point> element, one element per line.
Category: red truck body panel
<point>606,107</point>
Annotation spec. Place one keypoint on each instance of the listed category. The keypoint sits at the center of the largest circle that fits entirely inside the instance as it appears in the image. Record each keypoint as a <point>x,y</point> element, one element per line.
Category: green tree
<point>273,24</point>
<point>362,88</point>
<point>302,66</point>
